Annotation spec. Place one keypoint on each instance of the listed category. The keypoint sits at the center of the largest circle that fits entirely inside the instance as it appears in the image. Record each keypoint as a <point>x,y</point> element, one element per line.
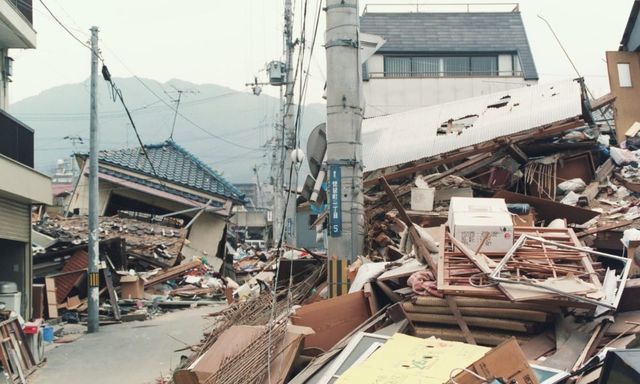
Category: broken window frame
<point>375,341</point>
<point>495,275</point>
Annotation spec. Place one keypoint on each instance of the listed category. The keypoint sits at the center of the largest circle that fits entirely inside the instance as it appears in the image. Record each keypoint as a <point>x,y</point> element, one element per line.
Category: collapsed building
<point>171,182</point>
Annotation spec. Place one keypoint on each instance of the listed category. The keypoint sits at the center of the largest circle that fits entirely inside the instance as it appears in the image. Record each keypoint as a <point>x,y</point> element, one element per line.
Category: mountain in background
<point>227,129</point>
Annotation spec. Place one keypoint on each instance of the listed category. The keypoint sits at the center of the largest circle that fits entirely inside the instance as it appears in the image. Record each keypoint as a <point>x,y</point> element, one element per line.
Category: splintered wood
<point>459,274</point>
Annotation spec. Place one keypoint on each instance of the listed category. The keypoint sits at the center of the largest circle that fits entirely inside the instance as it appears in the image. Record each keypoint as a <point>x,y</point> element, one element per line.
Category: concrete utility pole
<point>287,143</point>
<point>344,145</point>
<point>94,248</point>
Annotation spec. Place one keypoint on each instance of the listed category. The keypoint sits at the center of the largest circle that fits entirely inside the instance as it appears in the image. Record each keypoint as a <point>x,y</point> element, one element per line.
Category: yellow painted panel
<point>412,360</point>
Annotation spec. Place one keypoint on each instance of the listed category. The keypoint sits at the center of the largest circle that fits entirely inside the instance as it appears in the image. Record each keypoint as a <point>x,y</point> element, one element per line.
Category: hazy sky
<point>228,42</point>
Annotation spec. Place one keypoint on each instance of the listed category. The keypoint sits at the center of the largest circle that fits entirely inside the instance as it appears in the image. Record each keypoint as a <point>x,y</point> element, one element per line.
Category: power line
<point>145,85</point>
<point>117,92</point>
<point>148,108</point>
<point>303,91</point>
<point>68,31</point>
<point>175,110</point>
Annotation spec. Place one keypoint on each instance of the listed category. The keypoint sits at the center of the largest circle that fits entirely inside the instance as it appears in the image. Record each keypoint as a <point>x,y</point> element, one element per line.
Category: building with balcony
<point>433,55</point>
<point>21,186</point>
<point>16,32</point>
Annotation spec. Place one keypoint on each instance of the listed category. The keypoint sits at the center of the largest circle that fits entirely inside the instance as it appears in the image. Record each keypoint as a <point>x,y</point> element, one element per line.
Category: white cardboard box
<point>422,199</point>
<point>470,219</point>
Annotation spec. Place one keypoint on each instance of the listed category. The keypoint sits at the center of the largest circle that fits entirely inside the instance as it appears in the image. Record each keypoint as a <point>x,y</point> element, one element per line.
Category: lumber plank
<point>483,337</point>
<point>495,313</point>
<point>480,322</point>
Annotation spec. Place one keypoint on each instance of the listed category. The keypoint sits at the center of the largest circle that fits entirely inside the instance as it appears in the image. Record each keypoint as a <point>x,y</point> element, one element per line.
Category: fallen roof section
<point>413,135</point>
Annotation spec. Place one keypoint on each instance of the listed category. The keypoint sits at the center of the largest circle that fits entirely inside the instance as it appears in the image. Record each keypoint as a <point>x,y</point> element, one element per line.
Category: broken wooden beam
<point>488,338</point>
<point>495,313</point>
<point>426,256</point>
<point>171,273</point>
<point>607,227</point>
<point>474,321</point>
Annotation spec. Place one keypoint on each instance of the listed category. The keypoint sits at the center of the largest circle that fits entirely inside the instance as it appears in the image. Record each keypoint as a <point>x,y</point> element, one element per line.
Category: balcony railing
<point>442,7</point>
<point>24,7</point>
<point>443,74</point>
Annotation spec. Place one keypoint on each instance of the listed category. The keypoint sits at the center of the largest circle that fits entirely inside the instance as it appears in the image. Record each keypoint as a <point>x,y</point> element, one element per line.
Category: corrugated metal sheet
<point>14,220</point>
<point>75,269</point>
<point>412,135</point>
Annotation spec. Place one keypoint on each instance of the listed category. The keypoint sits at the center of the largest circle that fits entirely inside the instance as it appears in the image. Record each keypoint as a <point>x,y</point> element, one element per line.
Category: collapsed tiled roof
<point>173,164</point>
<point>437,33</point>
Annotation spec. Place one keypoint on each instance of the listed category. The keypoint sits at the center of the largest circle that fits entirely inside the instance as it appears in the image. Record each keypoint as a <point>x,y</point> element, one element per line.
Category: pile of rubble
<point>507,258</point>
<point>143,271</point>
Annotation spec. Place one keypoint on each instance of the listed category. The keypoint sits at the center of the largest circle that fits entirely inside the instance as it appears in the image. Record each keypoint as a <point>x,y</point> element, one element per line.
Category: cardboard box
<point>332,319</point>
<point>422,199</point>
<point>471,219</point>
<point>506,361</point>
<point>132,287</point>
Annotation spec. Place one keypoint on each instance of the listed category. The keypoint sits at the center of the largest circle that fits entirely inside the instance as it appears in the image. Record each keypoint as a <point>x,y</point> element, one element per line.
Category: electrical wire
<point>69,31</point>
<point>303,92</point>
<point>221,138</point>
<point>117,92</point>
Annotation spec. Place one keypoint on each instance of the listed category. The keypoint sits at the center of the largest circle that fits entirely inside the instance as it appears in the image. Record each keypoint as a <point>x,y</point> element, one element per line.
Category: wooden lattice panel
<point>457,274</point>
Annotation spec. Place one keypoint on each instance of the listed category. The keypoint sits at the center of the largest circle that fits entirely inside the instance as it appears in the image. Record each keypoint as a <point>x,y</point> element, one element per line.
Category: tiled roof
<point>173,164</point>
<point>160,187</point>
<point>438,33</point>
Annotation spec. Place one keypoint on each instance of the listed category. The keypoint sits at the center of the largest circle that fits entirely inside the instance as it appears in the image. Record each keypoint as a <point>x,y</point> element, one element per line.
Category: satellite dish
<point>316,148</point>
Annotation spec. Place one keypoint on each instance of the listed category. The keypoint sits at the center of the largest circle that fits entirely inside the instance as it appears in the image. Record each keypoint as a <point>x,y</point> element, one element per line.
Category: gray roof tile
<point>173,164</point>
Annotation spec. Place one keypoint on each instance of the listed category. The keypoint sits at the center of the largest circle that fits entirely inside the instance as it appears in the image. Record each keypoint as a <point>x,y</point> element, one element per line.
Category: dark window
<point>456,66</point>
<point>438,66</point>
<point>484,66</point>
<point>397,66</point>
<point>16,140</point>
<point>425,66</point>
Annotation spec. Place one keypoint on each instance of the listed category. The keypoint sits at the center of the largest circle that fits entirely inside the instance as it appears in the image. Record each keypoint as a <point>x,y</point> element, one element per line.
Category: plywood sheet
<point>332,319</point>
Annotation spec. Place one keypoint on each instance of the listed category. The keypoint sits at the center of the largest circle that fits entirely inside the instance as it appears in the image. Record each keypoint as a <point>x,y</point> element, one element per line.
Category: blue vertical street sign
<point>335,201</point>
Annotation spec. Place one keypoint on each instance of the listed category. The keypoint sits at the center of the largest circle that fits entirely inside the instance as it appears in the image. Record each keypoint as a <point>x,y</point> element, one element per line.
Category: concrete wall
<point>386,95</point>
<point>23,183</point>
<point>626,103</point>
<point>204,236</point>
